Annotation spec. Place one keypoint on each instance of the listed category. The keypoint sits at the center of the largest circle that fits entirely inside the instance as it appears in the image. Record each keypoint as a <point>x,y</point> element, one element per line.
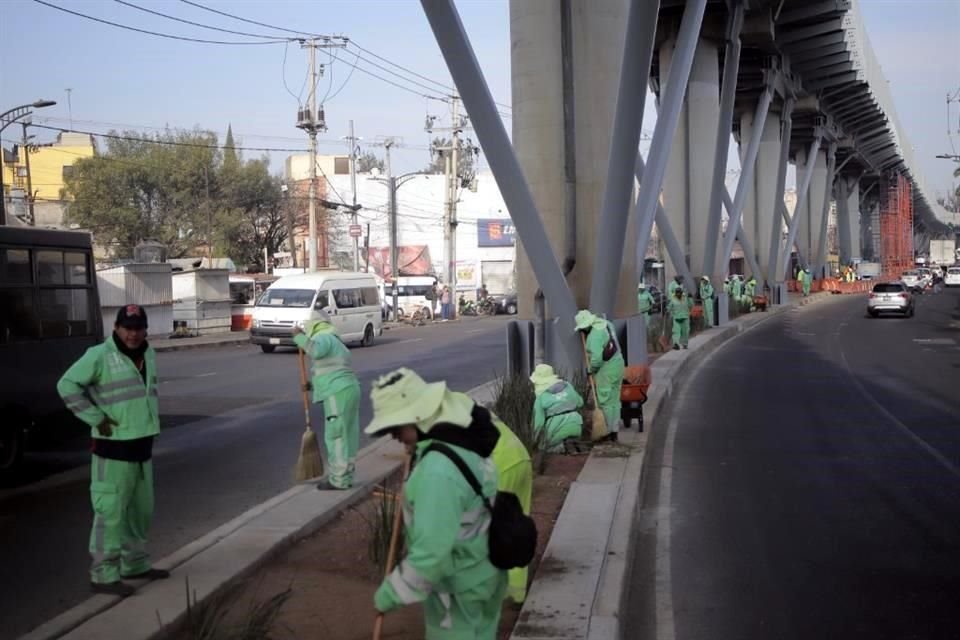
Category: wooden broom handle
<point>303,388</point>
<point>392,552</point>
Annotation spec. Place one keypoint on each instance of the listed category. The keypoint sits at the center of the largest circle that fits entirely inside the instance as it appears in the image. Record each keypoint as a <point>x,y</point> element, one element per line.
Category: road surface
<point>232,419</point>
<point>807,484</point>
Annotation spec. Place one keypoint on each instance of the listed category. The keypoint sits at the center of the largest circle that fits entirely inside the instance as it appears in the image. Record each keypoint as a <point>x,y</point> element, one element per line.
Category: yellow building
<point>49,166</point>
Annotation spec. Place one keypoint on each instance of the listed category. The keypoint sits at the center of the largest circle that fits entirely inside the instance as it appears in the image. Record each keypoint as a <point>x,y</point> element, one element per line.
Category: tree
<point>252,215</point>
<point>230,157</point>
<point>465,159</point>
<point>369,161</point>
<point>143,188</point>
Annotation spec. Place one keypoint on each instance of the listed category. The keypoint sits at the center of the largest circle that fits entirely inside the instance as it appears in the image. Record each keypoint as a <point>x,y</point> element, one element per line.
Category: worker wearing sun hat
<point>556,408</point>
<point>336,386</point>
<point>607,372</point>
<point>447,566</point>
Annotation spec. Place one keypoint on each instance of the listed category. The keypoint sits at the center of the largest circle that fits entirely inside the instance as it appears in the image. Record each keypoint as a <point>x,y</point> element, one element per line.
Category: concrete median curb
<point>221,558</point>
<point>582,585</point>
<point>182,344</point>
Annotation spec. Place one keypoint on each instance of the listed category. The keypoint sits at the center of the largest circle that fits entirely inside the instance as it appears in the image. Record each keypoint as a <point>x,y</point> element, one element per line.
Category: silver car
<point>890,296</point>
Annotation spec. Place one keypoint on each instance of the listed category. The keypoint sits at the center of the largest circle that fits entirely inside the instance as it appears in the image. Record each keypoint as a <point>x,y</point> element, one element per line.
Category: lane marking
<point>205,375</point>
<point>663,583</point>
<point>895,421</point>
<point>475,330</point>
<point>935,341</point>
<point>408,341</point>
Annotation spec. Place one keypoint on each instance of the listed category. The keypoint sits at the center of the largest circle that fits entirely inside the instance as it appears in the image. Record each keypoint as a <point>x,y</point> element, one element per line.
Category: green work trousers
<point>467,615</point>
<point>681,331</point>
<point>806,286</point>
<point>708,311</point>
<point>122,497</point>
<point>341,434</point>
<point>608,380</point>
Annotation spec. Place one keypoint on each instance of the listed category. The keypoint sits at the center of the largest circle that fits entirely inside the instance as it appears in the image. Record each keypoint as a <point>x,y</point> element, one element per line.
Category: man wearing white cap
<point>447,566</point>
<point>556,410</point>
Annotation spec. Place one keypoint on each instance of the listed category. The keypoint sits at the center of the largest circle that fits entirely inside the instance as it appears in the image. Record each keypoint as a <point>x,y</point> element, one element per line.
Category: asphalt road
<point>232,420</point>
<point>808,484</point>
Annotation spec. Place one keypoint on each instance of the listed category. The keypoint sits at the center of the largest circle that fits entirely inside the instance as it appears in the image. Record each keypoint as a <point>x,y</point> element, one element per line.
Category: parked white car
<point>352,301</point>
<point>952,277</point>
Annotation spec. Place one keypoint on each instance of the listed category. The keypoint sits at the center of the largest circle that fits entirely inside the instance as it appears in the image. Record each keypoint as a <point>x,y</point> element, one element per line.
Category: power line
<point>195,24</point>
<point>172,143</point>
<point>353,68</point>
<point>153,33</point>
<point>259,24</point>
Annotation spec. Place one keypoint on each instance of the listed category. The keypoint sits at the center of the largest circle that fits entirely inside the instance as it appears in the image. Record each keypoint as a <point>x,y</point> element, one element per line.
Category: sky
<point>120,77</point>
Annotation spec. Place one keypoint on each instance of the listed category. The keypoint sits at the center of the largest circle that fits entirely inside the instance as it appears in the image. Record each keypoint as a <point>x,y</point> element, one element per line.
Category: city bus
<point>49,315</point>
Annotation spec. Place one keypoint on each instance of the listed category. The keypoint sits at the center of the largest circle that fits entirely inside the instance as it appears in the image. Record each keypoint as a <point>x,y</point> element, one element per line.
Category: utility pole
<point>394,240</point>
<point>451,155</point>
<point>311,121</point>
<point>352,140</point>
<point>26,154</point>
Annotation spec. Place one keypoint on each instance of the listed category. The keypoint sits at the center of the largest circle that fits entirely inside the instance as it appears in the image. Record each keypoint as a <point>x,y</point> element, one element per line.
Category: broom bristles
<point>309,464</point>
<point>599,427</point>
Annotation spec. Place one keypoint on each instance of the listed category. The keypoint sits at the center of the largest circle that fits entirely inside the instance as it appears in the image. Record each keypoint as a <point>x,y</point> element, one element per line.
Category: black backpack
<point>512,537</point>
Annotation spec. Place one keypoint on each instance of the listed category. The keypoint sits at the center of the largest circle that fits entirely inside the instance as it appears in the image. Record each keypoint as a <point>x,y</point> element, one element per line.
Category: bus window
<point>65,313</point>
<point>76,267</point>
<point>15,265</point>
<point>18,317</point>
<point>50,267</point>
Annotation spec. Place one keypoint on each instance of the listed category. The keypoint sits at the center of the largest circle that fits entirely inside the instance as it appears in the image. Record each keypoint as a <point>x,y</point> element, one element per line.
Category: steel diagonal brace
<point>677,256</point>
<point>669,114</point>
<point>746,176</point>
<point>801,198</point>
<point>628,119</point>
<point>744,241</point>
<point>465,70</point>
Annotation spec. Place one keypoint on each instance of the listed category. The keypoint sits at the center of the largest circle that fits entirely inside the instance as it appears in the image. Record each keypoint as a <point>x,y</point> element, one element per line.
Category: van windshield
<point>286,298</point>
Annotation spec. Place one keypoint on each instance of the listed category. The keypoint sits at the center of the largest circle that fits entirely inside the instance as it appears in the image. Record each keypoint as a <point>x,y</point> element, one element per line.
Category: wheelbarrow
<point>761,302</point>
<point>633,394</point>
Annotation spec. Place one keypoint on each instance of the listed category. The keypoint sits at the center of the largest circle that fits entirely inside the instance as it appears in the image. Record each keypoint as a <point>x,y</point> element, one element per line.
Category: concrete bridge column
<point>848,219</point>
<point>598,32</point>
<point>811,210</point>
<point>689,175</point>
<point>759,213</point>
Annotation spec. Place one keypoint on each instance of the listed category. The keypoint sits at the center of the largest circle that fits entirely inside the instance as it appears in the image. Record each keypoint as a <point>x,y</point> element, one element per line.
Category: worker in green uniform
<point>336,386</point>
<point>514,475</point>
<point>679,309</point>
<point>806,279</point>
<point>737,286</point>
<point>556,409</point>
<point>706,294</point>
<point>447,566</point>
<point>113,388</point>
<point>605,363</point>
<point>676,283</point>
<point>750,290</point>
<point>645,305</point>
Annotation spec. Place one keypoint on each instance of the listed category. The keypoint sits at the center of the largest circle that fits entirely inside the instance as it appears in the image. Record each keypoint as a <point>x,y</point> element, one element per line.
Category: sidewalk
<point>214,340</point>
<point>225,555</point>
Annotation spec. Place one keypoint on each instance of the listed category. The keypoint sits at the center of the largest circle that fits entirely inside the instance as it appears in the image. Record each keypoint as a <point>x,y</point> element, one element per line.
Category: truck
<point>869,270</point>
<point>943,252</point>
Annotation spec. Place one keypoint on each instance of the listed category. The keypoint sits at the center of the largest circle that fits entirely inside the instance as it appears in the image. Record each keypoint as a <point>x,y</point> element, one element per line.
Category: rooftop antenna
<point>70,107</point>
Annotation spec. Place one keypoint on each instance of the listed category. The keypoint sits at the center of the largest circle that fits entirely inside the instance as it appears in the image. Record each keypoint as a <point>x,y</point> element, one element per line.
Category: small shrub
<point>379,521</point>
<point>513,403</point>
<point>211,621</point>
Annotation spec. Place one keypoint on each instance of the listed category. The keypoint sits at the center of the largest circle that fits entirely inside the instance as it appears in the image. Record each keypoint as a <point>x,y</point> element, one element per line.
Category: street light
<point>6,119</point>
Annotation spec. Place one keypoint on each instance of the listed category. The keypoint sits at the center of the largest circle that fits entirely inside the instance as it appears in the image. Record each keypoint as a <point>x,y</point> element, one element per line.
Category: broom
<point>392,552</point>
<point>598,429</point>
<point>309,464</point>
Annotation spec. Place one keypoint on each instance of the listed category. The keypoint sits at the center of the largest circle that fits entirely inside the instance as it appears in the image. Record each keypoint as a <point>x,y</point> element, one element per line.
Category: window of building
<point>341,166</point>
<point>67,171</point>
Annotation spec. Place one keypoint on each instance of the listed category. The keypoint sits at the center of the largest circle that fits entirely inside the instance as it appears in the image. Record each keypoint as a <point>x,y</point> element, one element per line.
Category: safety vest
<point>331,364</point>
<point>105,383</point>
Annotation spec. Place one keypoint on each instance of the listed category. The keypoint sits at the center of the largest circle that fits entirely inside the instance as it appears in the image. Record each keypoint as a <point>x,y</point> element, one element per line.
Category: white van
<point>413,293</point>
<point>350,299</point>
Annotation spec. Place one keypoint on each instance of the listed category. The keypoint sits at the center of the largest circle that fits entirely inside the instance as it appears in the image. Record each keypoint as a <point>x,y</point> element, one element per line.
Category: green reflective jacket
<point>706,290</point>
<point>645,302</point>
<point>445,527</point>
<point>596,340</point>
<point>509,451</point>
<point>331,364</point>
<point>680,309</point>
<point>557,411</point>
<point>105,383</point>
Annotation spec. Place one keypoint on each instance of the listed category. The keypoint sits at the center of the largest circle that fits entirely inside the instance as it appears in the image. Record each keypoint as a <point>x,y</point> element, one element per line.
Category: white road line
<point>475,330</point>
<point>205,375</point>
<point>409,340</point>
<point>663,581</point>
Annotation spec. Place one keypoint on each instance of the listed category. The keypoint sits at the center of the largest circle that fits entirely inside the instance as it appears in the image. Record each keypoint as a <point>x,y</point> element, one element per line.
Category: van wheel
<point>268,348</point>
<point>11,445</point>
<point>511,309</point>
<point>367,336</point>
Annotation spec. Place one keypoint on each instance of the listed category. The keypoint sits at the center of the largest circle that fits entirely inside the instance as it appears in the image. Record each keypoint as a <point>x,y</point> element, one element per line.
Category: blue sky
<point>130,78</point>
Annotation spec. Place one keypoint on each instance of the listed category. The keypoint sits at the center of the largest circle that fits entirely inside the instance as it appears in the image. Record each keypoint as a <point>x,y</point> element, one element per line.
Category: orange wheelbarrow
<point>633,394</point>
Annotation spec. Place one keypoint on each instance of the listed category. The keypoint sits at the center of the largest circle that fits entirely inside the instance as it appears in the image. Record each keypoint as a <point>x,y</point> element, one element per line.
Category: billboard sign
<point>495,232</point>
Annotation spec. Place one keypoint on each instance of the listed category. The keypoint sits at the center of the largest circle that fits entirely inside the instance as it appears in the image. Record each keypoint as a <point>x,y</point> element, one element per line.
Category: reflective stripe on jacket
<point>105,383</point>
